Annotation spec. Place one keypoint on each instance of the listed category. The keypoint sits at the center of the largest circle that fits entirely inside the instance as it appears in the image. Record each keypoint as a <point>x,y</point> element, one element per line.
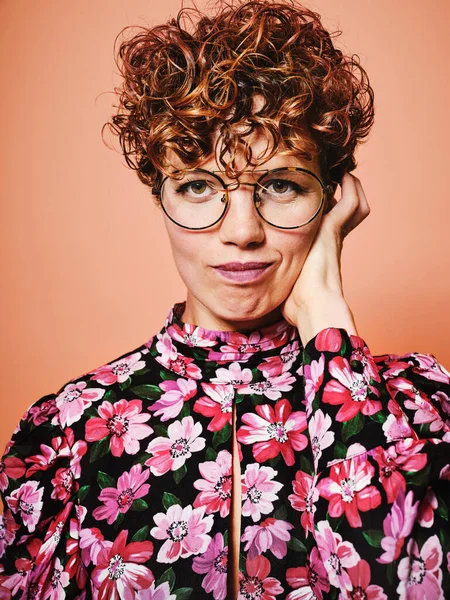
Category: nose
<point>241,224</point>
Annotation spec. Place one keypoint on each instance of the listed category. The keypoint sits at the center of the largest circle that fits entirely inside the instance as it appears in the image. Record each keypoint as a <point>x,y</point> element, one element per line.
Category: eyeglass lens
<point>283,197</point>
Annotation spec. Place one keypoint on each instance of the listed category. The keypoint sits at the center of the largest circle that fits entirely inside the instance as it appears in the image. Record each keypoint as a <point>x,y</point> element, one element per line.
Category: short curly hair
<point>197,75</point>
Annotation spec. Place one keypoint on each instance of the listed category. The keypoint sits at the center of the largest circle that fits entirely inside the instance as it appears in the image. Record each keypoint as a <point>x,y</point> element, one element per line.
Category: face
<point>220,300</point>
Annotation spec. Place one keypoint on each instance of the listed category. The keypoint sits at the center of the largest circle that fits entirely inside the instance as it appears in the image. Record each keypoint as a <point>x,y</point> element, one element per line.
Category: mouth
<point>242,272</point>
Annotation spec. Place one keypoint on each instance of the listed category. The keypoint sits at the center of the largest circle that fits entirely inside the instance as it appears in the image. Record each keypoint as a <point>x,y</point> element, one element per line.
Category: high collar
<point>226,346</point>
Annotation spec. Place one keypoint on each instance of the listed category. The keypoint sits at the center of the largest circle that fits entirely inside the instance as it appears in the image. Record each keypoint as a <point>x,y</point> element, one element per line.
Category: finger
<point>357,201</point>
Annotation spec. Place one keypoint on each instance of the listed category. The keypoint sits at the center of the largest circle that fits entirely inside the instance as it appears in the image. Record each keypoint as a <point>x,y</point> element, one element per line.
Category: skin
<point>304,286</point>
<point>242,236</point>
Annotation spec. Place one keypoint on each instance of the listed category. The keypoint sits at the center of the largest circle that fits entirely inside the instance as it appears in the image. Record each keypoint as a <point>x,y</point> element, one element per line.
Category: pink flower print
<point>119,370</point>
<point>234,375</point>
<point>170,453</point>
<point>360,578</point>
<point>276,365</point>
<point>175,361</point>
<point>130,486</point>
<point>124,422</point>
<point>350,389</point>
<point>213,562</point>
<point>361,353</point>
<point>92,543</point>
<point>26,501</point>
<point>348,489</point>
<point>430,368</point>
<point>420,573</point>
<point>218,404</point>
<point>320,435</point>
<point>259,491</point>
<point>426,509</point>
<point>270,387</point>
<point>337,556</point>
<point>192,335</point>
<point>53,534</point>
<point>215,494</point>
<point>74,566</point>
<point>176,394</point>
<point>120,569</point>
<point>304,499</point>
<point>59,579</point>
<point>74,400</point>
<point>273,430</point>
<point>41,462</point>
<point>271,534</point>
<point>403,456</point>
<point>162,592</point>
<point>8,528</point>
<point>185,531</point>
<point>310,581</point>
<point>396,425</point>
<point>10,467</point>
<point>313,377</point>
<point>397,526</point>
<point>256,585</point>
<point>243,346</point>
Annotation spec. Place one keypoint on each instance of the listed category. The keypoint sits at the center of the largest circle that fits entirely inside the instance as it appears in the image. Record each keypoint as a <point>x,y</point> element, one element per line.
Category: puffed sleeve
<point>380,444</point>
<point>38,484</point>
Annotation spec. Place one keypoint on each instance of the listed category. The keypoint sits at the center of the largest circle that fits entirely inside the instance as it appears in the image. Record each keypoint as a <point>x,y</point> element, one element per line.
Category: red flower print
<point>120,370</point>
<point>8,528</point>
<point>120,570</point>
<point>124,422</point>
<point>13,467</point>
<point>313,377</point>
<point>256,585</point>
<point>337,556</point>
<point>350,389</point>
<point>218,404</point>
<point>360,578</point>
<point>273,430</point>
<point>304,498</point>
<point>426,509</point>
<point>403,456</point>
<point>310,581</point>
<point>348,489</point>
<point>328,340</point>
<point>215,486</point>
<point>420,573</point>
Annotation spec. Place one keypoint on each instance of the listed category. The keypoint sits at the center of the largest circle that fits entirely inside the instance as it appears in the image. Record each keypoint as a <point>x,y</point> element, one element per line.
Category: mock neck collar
<point>224,346</point>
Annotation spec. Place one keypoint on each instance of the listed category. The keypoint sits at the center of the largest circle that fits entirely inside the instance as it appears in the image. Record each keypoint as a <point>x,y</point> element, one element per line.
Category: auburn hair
<point>188,85</point>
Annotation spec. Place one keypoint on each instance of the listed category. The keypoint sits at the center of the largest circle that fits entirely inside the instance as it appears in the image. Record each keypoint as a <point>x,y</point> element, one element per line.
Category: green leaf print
<point>139,505</point>
<point>141,535</point>
<point>352,427</point>
<point>183,593</point>
<point>169,500</point>
<point>168,576</point>
<point>99,449</point>
<point>221,436</point>
<point>147,391</point>
<point>179,474</point>
<point>373,537</point>
<point>104,480</point>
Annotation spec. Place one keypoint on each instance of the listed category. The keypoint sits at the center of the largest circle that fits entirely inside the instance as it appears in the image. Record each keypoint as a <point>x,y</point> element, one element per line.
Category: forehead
<point>260,143</point>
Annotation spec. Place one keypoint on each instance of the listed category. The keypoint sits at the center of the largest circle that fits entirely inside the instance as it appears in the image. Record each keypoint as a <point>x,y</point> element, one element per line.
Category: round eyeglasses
<point>286,198</point>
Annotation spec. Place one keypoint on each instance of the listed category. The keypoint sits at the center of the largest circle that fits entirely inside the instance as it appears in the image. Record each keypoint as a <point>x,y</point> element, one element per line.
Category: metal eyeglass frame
<point>326,189</point>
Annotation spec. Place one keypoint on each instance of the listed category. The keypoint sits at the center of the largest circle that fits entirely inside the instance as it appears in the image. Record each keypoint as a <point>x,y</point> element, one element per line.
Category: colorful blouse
<point>119,485</point>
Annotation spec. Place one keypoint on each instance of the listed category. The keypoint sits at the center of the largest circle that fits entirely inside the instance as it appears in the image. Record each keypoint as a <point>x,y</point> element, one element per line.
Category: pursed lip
<point>237,266</point>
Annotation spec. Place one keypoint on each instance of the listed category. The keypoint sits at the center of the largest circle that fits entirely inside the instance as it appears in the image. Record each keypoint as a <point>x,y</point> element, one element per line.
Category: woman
<point>254,447</point>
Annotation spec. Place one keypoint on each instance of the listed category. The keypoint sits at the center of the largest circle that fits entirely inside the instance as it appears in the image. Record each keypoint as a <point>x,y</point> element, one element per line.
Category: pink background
<point>86,269</point>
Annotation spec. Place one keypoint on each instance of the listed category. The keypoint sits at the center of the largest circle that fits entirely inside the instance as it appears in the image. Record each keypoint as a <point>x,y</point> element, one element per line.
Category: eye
<point>197,187</point>
<point>280,186</point>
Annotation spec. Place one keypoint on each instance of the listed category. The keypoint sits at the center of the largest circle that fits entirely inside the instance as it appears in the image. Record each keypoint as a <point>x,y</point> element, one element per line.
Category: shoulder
<point>420,386</point>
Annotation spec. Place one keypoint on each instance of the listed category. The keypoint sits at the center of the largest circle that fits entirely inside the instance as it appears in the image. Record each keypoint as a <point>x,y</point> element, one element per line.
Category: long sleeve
<point>380,439</point>
<point>38,485</point>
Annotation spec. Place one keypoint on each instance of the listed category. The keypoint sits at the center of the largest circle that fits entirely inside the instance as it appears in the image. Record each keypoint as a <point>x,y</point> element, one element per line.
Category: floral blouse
<point>119,485</point>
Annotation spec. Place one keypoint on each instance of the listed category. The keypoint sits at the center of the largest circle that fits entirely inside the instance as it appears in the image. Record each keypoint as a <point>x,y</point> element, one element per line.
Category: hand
<point>317,297</point>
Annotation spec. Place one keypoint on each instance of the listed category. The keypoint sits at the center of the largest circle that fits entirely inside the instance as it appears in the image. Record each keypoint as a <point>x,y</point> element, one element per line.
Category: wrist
<point>327,311</point>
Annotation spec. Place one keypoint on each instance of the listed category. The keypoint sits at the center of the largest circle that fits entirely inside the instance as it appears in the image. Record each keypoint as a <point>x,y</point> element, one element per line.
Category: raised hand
<point>317,299</point>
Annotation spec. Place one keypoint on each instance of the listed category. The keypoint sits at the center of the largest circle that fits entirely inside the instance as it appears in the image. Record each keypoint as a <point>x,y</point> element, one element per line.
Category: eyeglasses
<point>286,198</point>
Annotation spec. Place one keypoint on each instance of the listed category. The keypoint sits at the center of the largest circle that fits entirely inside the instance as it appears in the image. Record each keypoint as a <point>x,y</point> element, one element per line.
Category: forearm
<point>327,311</point>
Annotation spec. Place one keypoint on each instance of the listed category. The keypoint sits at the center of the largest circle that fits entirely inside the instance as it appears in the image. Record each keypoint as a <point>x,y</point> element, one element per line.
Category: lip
<point>243,272</point>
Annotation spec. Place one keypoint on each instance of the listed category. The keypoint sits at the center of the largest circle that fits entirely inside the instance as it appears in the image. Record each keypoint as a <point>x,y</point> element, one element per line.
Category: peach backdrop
<point>86,270</point>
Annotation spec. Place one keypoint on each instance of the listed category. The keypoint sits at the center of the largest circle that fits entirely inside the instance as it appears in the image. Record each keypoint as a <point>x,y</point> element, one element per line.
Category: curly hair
<point>197,76</point>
